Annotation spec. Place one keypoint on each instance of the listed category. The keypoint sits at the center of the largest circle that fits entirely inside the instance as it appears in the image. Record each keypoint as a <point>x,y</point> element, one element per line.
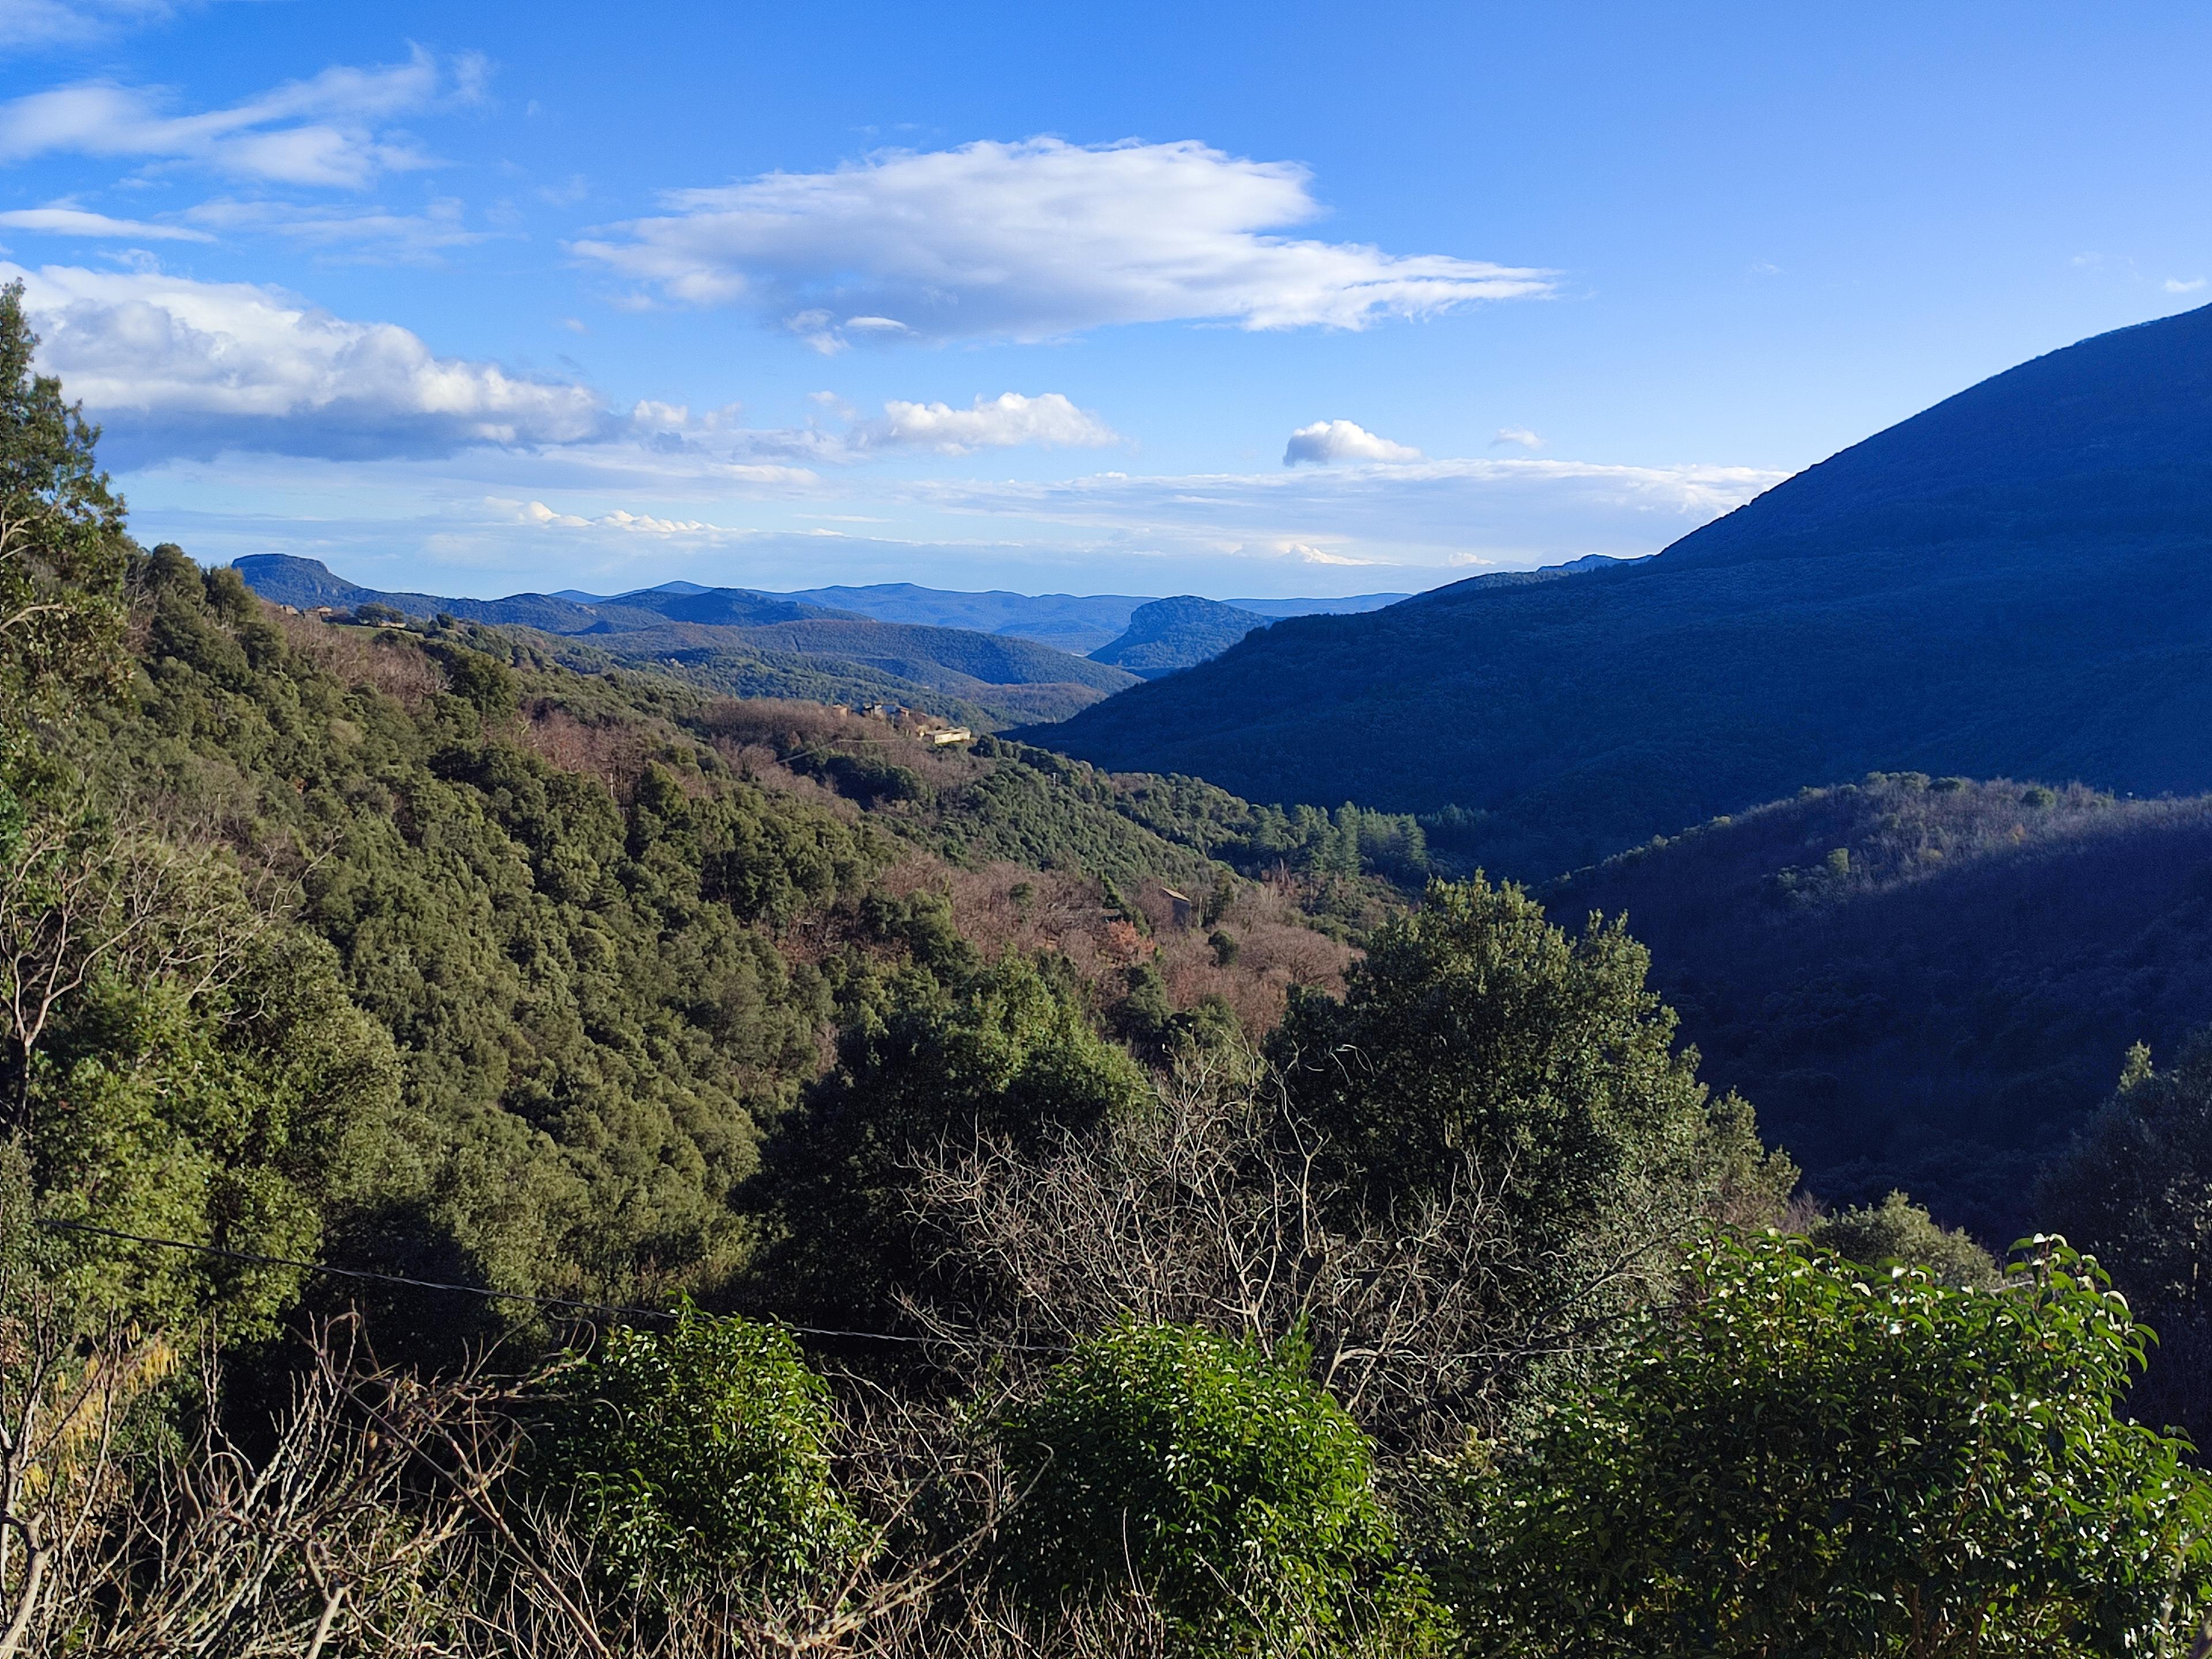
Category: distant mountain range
<point>752,644</point>
<point>1077,623</point>
<point>992,660</point>
<point>2017,582</point>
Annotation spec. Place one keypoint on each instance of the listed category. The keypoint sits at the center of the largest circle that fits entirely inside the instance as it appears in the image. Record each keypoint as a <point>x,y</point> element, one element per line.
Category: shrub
<point>1792,1459</point>
<point>1899,1232</point>
<point>2135,1186</point>
<point>704,1447</point>
<point>1209,1471</point>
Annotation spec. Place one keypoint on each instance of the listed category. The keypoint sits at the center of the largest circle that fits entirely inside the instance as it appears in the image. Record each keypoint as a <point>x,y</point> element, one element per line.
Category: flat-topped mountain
<point>2015,582</point>
<point>1169,635</point>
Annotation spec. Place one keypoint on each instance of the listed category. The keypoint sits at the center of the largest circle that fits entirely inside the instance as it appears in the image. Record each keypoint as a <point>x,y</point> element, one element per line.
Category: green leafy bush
<point>1209,1471</point>
<point>1899,1232</point>
<point>1791,1459</point>
<point>700,1449</point>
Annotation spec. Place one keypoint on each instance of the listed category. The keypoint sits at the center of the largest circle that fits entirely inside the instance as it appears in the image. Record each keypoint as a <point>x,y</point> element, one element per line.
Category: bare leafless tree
<point>1212,1209</point>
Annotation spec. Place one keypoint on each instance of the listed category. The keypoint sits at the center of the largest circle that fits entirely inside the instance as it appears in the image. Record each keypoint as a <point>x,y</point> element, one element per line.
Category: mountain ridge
<point>2015,582</point>
<point>748,644</point>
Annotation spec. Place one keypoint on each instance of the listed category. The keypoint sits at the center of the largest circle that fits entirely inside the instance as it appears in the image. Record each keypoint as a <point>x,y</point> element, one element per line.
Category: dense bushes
<point>1792,1458</point>
<point>699,1450</point>
<point>1207,1476</point>
<point>965,1054</point>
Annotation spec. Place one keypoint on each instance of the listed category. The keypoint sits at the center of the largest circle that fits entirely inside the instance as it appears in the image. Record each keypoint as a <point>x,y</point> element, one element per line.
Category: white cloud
<point>326,131</point>
<point>1327,442</point>
<point>2175,285</point>
<point>1033,240</point>
<point>67,219</point>
<point>635,524</point>
<point>1009,419</point>
<point>178,366</point>
<point>1518,436</point>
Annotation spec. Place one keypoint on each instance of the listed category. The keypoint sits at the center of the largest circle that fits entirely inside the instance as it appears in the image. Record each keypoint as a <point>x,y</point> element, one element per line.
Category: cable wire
<point>480,1290</point>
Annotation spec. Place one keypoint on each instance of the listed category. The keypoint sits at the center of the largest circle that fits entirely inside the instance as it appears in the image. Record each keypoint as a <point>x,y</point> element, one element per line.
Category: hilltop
<point>2014,582</point>
<point>1169,635</point>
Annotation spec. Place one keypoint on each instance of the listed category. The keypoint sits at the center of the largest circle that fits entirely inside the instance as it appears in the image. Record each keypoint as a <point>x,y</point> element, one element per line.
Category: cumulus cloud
<point>634,524</point>
<point>1326,442</point>
<point>1030,241</point>
<point>178,366</point>
<point>325,130</point>
<point>1001,422</point>
<point>1518,436</point>
<point>67,219</point>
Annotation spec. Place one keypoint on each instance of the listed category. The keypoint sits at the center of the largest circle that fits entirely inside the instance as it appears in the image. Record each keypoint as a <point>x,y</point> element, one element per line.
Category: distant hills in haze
<point>1077,623</point>
<point>2015,582</point>
<point>750,644</point>
<point>992,660</point>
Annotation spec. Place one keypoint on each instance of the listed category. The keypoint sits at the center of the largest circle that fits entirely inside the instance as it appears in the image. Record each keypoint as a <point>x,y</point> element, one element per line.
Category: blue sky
<point>1226,299</point>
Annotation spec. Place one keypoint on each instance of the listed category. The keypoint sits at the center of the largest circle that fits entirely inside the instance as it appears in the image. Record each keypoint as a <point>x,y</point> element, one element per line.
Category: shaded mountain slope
<point>1169,635</point>
<point>749,644</point>
<point>1925,985</point>
<point>2018,581</point>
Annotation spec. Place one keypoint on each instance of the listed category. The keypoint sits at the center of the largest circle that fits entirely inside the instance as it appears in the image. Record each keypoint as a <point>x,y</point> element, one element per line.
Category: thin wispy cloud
<point>1031,241</point>
<point>70,22</point>
<point>1326,443</point>
<point>1518,436</point>
<point>66,219</point>
<point>369,233</point>
<point>331,130</point>
<point>2175,285</point>
<point>1443,513</point>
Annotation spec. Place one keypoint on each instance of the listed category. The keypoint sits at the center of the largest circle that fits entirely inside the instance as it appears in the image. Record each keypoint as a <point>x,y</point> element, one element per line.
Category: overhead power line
<point>258,1259</point>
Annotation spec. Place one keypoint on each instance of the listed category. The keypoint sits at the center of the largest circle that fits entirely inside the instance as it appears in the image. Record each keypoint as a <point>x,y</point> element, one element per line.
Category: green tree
<point>1476,1030</point>
<point>63,549</point>
<point>237,1110</point>
<point>1792,1459</point>
<point>2135,1188</point>
<point>701,1449</point>
<point>1010,1052</point>
<point>1212,1474</point>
